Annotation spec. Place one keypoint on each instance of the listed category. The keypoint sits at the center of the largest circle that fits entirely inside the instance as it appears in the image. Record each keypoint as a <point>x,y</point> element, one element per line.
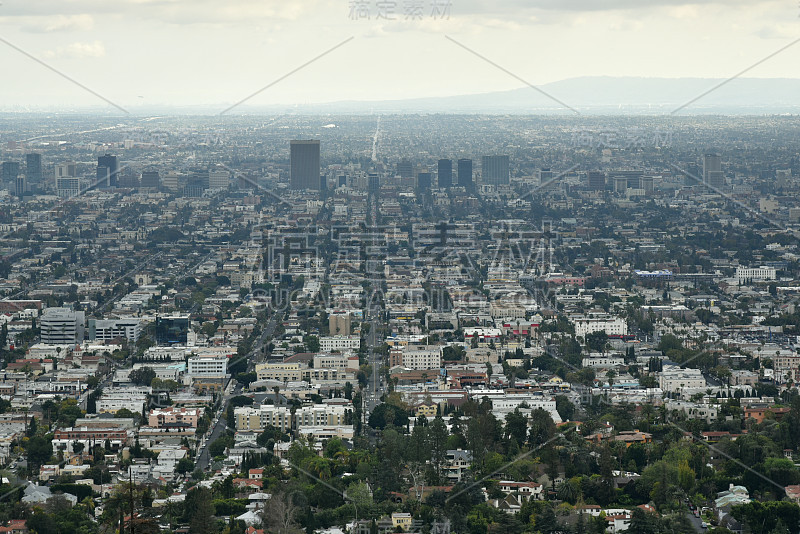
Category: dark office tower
<point>465,173</point>
<point>405,169</point>
<point>151,179</point>
<point>694,174</point>
<point>597,180</point>
<point>33,168</point>
<point>107,171</point>
<point>199,178</point>
<point>424,180</point>
<point>20,185</point>
<point>646,183</point>
<point>712,170</point>
<point>494,170</point>
<point>304,171</point>
<point>445,173</point>
<point>545,177</point>
<point>10,171</point>
<point>374,182</point>
<point>342,181</point>
<point>711,163</point>
<point>128,181</point>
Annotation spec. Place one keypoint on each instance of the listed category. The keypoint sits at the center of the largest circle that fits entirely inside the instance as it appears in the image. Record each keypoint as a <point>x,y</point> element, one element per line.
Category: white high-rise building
<point>62,326</point>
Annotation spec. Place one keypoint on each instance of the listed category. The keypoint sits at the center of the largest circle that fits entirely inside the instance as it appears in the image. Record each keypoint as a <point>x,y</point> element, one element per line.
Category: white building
<point>613,326</point>
<point>109,329</point>
<point>339,343</point>
<point>674,379</point>
<point>603,361</point>
<point>208,365</point>
<point>422,357</point>
<point>759,274</point>
<point>62,326</point>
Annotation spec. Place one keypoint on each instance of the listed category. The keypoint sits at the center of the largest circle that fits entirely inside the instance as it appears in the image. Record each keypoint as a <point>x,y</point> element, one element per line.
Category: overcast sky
<point>217,52</point>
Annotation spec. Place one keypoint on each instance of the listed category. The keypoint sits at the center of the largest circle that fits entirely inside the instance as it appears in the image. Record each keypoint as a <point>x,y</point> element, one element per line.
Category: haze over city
<point>379,266</point>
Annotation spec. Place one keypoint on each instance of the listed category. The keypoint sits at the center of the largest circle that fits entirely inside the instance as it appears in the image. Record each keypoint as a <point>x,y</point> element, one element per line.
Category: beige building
<point>339,323</point>
<point>249,418</point>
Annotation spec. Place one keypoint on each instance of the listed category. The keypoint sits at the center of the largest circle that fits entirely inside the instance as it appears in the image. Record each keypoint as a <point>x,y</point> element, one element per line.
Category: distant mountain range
<point>596,95</point>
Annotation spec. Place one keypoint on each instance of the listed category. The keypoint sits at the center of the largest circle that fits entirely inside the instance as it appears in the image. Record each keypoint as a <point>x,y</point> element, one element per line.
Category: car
<point>704,525</point>
<point>697,513</point>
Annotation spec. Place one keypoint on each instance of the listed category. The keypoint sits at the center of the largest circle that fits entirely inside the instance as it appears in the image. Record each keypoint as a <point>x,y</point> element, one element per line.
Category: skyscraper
<point>21,185</point>
<point>304,171</point>
<point>10,170</point>
<point>373,182</point>
<point>712,170</point>
<point>494,170</point>
<point>150,179</point>
<point>405,169</point>
<point>465,173</point>
<point>424,180</point>
<point>596,180</point>
<point>33,168</point>
<point>445,175</point>
<point>107,171</point>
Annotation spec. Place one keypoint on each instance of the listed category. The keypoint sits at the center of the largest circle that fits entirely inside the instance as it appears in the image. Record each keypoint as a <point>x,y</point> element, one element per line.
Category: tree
<point>281,513</point>
<point>542,427</point>
<point>143,376</point>
<point>388,414</point>
<point>596,341</point>
<point>311,343</point>
<point>200,511</point>
<point>643,522</point>
<point>564,408</point>
<point>185,465</point>
<point>39,450</point>
<point>517,427</point>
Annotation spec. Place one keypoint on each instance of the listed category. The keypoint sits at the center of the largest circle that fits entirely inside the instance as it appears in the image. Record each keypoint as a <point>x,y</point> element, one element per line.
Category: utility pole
<point>130,479</point>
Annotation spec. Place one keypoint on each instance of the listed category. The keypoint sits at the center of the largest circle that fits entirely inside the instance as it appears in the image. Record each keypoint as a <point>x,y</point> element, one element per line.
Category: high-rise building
<point>10,171</point>
<point>66,170</point>
<point>620,184</point>
<point>596,180</point>
<point>405,169</point>
<point>424,180</point>
<point>712,170</point>
<point>445,176</point>
<point>21,185</point>
<point>150,179</point>
<point>646,183</point>
<point>219,179</point>
<point>33,168</point>
<point>339,323</point>
<point>465,173</point>
<point>68,187</point>
<point>172,181</point>
<point>494,170</point>
<point>715,179</point>
<point>373,182</point>
<point>62,326</point>
<point>172,330</point>
<point>107,171</point>
<point>304,162</point>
